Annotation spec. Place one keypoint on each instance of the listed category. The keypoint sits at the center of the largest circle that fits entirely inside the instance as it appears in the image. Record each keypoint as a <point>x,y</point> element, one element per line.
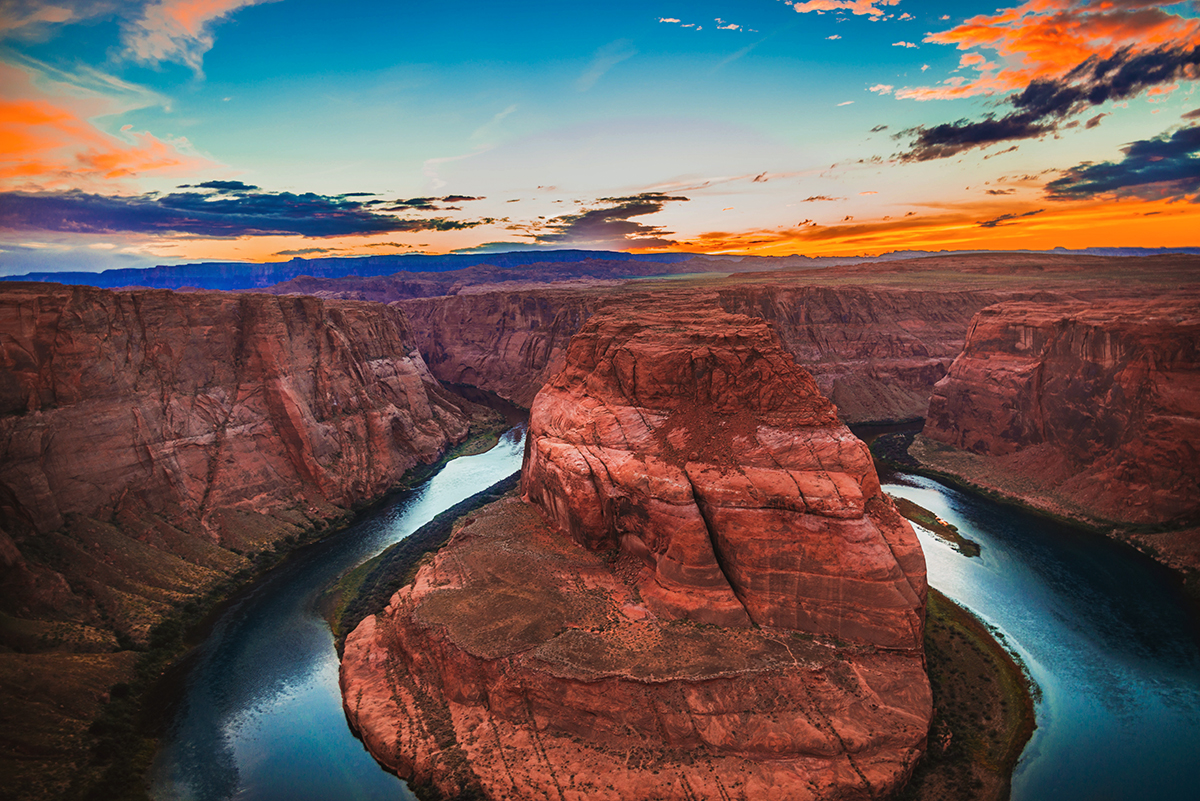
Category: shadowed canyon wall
<point>876,353</point>
<point>151,441</point>
<point>705,594</point>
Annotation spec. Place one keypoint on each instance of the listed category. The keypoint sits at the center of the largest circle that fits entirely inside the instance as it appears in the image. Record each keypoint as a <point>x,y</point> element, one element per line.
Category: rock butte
<point>705,594</point>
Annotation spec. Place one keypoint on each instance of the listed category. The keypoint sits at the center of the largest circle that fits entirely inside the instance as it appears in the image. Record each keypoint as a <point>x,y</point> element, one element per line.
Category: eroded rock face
<point>148,438</point>
<point>876,353</point>
<point>510,343</point>
<point>685,479</point>
<point>1096,406</point>
<point>688,439</point>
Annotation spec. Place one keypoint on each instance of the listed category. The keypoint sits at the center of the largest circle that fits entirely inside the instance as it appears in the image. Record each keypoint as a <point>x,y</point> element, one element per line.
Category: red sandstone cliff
<point>150,440</point>
<point>685,479</point>
<point>1090,409</point>
<point>876,353</point>
<point>510,343</point>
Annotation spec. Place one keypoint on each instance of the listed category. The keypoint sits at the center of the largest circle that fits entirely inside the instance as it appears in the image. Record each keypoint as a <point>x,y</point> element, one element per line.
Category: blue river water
<point>260,718</point>
<point>1105,634</point>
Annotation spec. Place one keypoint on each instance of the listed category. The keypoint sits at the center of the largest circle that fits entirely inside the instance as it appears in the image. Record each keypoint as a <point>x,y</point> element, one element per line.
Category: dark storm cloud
<point>1046,103</point>
<point>612,225</point>
<point>220,212</point>
<point>1163,167</point>
<point>222,186</point>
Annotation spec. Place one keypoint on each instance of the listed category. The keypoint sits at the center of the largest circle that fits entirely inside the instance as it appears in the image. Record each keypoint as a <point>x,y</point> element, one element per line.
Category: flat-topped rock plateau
<point>703,592</point>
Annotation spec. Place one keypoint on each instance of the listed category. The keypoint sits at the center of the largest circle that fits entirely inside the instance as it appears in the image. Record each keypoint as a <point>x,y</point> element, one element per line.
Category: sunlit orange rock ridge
<point>688,481</point>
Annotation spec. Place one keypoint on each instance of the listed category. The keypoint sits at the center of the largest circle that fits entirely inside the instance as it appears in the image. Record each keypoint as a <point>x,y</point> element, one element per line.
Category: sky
<point>141,133</point>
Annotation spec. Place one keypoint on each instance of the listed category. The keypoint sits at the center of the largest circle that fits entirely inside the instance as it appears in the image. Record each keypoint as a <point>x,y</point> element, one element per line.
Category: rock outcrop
<point>152,442</point>
<point>705,594</point>
<point>1085,409</point>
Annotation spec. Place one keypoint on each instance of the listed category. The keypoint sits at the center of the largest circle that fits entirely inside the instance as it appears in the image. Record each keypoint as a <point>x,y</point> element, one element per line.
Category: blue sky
<point>753,127</point>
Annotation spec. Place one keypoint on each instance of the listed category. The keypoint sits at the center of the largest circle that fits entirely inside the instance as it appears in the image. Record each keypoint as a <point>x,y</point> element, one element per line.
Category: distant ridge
<point>232,275</point>
<point>251,275</point>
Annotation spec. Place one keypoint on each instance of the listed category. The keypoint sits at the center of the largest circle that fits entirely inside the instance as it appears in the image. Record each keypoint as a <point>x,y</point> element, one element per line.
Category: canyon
<point>153,444</point>
<point>876,352</point>
<point>702,593</point>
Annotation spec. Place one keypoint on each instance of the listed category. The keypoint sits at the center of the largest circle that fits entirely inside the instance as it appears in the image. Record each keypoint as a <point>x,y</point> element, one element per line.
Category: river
<point>260,716</point>
<point>1105,634</point>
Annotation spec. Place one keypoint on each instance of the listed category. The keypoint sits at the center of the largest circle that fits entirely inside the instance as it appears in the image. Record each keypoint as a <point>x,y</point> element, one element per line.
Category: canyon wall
<point>876,353</point>
<point>1086,409</point>
<point>704,594</point>
<point>509,343</point>
<point>152,442</point>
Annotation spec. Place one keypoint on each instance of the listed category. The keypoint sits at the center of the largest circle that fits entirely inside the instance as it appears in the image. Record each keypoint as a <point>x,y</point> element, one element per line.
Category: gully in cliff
<point>703,593</point>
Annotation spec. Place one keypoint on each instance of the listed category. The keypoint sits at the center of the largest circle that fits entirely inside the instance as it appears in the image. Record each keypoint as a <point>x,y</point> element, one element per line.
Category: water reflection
<point>260,717</point>
<point>1107,636</point>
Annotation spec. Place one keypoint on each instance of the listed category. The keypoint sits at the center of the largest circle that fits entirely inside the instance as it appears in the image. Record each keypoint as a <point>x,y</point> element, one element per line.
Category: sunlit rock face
<point>1094,404</point>
<point>149,440</point>
<point>688,439</point>
<point>705,594</point>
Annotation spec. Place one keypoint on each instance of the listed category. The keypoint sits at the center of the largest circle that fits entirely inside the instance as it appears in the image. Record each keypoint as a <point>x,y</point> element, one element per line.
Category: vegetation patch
<point>940,528</point>
<point>983,710</point>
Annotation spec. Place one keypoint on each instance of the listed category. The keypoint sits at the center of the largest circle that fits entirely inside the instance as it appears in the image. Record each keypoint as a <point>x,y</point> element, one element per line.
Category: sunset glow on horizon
<point>170,131</point>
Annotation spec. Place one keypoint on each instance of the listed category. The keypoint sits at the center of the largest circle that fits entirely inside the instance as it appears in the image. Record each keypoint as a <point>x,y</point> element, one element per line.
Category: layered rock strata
<point>705,594</point>
<point>876,353</point>
<point>1086,409</point>
<point>150,442</point>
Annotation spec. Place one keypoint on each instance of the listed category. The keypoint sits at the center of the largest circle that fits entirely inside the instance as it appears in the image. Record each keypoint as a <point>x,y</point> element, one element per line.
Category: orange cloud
<point>47,141</point>
<point>1046,39</point>
<point>1077,225</point>
<point>47,146</point>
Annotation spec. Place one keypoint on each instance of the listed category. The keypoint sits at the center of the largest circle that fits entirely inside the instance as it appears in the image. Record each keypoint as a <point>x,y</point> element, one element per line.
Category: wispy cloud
<point>882,88</point>
<point>904,44</point>
<point>1008,219</point>
<point>863,8</point>
<point>1048,39</point>
<point>177,30</point>
<point>1047,103</point>
<point>604,60</point>
<point>611,225</point>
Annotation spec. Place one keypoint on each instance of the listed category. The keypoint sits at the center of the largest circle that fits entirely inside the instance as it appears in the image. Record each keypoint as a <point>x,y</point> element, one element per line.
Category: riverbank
<point>85,726</point>
<point>983,710</point>
<point>1176,548</point>
<point>367,588</point>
